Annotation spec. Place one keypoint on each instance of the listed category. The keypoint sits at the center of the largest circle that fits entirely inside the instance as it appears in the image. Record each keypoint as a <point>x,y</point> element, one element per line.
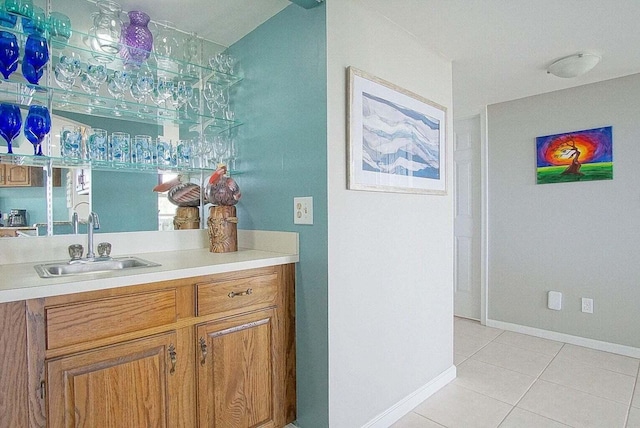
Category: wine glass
<point>179,94</point>
<point>37,126</point>
<point>91,81</point>
<point>162,92</point>
<point>10,123</point>
<point>137,97</point>
<point>211,94</point>
<point>66,72</point>
<point>36,55</point>
<point>117,85</point>
<point>220,149</point>
<point>144,84</point>
<point>9,53</point>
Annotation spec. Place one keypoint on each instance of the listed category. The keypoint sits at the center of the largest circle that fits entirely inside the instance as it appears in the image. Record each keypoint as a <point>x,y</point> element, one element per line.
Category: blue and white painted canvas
<point>397,138</point>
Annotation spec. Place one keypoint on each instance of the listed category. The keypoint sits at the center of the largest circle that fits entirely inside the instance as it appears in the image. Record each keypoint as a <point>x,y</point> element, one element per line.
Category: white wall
<point>390,255</point>
<point>577,238</point>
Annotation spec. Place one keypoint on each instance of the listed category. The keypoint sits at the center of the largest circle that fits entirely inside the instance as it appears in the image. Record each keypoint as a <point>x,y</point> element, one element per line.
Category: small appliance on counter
<point>17,218</point>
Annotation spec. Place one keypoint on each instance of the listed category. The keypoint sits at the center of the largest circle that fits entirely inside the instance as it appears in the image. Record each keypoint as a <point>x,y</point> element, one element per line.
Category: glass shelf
<point>56,162</point>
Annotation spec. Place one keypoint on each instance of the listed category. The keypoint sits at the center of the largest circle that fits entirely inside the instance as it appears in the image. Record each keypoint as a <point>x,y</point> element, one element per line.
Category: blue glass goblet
<point>37,126</point>
<point>10,123</point>
<point>7,20</point>
<point>9,53</point>
<point>36,55</point>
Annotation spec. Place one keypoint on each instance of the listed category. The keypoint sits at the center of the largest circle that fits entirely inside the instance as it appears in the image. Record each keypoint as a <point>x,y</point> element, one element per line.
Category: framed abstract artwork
<point>396,139</point>
<point>575,156</point>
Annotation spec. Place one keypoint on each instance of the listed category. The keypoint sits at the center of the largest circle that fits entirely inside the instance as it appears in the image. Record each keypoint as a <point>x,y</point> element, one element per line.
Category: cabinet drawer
<point>85,321</point>
<point>243,293</point>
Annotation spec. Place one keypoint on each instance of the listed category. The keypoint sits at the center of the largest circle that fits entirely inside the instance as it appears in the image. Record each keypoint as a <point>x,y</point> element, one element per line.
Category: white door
<point>467,184</point>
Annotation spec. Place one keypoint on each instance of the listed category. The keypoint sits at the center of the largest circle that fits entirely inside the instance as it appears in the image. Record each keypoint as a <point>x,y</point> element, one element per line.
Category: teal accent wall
<point>283,153</point>
<point>33,199</point>
<point>26,198</point>
<point>124,201</point>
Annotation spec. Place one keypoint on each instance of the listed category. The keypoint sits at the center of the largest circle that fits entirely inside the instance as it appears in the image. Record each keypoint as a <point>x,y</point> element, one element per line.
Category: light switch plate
<point>303,210</point>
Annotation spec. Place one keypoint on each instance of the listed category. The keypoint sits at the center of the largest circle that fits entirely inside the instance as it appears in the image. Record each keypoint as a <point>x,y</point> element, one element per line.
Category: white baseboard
<point>404,406</point>
<point>614,348</point>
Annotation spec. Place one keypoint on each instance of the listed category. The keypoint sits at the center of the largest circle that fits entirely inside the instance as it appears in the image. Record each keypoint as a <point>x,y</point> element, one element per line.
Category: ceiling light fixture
<point>573,65</point>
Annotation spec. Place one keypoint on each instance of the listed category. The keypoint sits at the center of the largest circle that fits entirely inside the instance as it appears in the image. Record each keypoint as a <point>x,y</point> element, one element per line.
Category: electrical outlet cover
<point>303,210</point>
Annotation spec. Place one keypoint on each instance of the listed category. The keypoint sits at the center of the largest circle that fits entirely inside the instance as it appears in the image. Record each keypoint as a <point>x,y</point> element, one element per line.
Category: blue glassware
<point>37,126</point>
<point>36,55</point>
<point>36,23</point>
<point>9,53</point>
<point>7,20</point>
<point>10,123</point>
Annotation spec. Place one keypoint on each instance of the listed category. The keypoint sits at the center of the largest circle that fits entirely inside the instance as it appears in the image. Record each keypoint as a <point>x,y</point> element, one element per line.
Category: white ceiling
<point>499,48</point>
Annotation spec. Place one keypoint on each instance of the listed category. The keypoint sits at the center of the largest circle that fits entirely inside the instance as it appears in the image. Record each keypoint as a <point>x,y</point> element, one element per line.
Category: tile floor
<point>511,380</point>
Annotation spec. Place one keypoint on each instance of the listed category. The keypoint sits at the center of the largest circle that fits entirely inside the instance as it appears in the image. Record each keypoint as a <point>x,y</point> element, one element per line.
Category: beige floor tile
<point>573,407</point>
<point>603,360</point>
<point>634,418</point>
<point>513,358</point>
<point>592,380</point>
<point>467,345</point>
<point>414,420</point>
<point>458,359</point>
<point>474,328</point>
<point>457,407</point>
<point>520,418</point>
<point>532,343</point>
<point>636,394</point>
<point>496,382</point>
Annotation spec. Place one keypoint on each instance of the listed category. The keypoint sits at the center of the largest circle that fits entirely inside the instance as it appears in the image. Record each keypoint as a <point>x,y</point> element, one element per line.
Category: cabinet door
<point>17,175</point>
<point>126,385</point>
<point>237,372</point>
<point>13,365</point>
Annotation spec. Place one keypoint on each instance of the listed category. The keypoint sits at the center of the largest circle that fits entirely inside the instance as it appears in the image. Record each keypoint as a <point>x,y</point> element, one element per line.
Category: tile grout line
<point>633,393</point>
<point>537,377</point>
<point>585,392</point>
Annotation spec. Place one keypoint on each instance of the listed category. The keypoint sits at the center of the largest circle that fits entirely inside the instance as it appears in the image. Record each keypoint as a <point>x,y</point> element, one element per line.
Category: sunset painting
<point>575,156</point>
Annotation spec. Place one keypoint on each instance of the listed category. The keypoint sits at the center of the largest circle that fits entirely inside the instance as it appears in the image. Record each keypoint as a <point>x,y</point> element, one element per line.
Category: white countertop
<point>19,281</point>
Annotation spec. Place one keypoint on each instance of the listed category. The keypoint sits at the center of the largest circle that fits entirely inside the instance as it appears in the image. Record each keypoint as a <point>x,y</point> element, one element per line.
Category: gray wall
<point>577,238</point>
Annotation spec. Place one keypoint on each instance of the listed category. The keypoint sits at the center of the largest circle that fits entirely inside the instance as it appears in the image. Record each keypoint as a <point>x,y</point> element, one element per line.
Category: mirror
<point>123,199</point>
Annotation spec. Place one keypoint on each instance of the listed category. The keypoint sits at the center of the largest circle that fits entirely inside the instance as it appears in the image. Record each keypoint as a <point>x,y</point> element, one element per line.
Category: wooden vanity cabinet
<point>128,384</point>
<point>167,354</point>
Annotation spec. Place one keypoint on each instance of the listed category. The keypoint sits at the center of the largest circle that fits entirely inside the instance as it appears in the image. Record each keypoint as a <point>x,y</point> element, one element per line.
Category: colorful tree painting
<point>575,156</point>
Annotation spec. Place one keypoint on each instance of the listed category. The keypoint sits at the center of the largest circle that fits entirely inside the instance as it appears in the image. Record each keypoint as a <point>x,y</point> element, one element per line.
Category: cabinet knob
<point>203,349</point>
<point>240,293</point>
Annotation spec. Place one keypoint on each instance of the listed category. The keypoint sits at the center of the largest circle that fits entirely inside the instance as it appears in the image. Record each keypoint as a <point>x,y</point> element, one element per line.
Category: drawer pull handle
<point>173,358</point>
<point>203,349</point>
<point>241,293</point>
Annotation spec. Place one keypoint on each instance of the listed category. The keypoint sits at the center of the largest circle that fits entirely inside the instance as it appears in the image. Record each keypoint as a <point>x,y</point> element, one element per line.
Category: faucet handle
<point>75,251</point>
<point>104,249</point>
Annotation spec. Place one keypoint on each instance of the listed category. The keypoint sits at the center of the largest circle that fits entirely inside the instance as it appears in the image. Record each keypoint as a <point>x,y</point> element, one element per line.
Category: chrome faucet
<point>93,223</point>
<point>74,222</point>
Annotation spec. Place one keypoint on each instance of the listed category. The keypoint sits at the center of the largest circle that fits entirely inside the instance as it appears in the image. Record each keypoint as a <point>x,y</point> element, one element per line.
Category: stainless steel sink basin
<point>54,270</point>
